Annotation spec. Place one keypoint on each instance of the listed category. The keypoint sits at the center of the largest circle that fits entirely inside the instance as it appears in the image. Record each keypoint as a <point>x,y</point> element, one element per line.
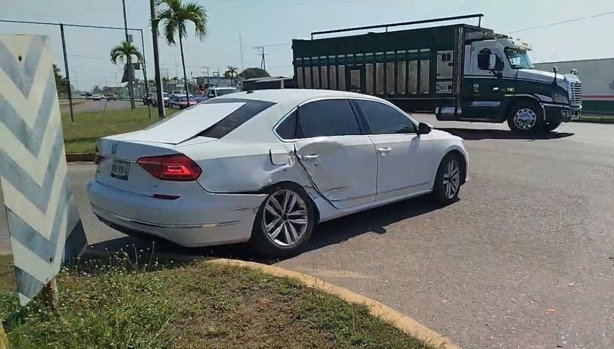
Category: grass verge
<point>600,119</point>
<point>82,136</point>
<point>124,304</point>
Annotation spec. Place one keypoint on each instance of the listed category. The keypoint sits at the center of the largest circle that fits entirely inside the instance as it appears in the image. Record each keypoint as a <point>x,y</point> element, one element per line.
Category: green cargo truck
<point>460,72</point>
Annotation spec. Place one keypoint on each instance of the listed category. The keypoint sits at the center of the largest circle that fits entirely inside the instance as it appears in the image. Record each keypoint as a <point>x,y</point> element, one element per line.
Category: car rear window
<point>235,119</point>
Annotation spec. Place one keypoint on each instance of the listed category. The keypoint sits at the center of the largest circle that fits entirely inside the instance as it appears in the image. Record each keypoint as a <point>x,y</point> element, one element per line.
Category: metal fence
<point>86,65</point>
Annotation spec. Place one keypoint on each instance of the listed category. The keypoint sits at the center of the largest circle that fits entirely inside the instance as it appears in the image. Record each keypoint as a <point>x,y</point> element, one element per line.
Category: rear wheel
<point>448,179</point>
<point>284,222</point>
<point>526,117</point>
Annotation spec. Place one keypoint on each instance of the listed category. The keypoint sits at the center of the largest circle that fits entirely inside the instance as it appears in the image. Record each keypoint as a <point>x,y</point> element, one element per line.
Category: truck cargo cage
<point>401,24</point>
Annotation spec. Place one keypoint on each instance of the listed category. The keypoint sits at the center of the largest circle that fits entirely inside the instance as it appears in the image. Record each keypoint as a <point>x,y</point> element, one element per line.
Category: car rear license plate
<point>120,169</point>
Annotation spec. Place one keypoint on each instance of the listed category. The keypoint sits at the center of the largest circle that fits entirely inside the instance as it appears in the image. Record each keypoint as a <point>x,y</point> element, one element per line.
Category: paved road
<point>99,106</point>
<point>524,260</point>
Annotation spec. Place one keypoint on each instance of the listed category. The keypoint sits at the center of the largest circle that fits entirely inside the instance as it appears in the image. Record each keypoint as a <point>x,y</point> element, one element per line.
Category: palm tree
<point>231,73</point>
<point>120,53</point>
<point>175,18</point>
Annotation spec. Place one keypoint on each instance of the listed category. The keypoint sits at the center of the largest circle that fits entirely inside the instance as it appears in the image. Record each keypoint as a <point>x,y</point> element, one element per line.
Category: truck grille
<point>575,93</point>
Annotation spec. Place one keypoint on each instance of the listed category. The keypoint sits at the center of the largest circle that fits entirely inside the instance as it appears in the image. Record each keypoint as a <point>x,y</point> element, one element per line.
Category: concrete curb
<point>84,157</point>
<point>377,309</point>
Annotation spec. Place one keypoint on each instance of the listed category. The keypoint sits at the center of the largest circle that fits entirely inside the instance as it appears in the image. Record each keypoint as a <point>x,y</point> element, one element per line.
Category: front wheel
<point>284,222</point>
<point>448,179</point>
<point>526,117</point>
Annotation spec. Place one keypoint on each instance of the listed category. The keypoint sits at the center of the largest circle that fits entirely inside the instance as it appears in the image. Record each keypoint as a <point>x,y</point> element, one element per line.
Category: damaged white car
<point>266,166</point>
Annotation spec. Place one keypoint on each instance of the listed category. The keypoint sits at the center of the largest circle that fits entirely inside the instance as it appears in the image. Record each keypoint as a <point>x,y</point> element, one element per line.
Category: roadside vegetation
<point>82,136</point>
<point>124,303</point>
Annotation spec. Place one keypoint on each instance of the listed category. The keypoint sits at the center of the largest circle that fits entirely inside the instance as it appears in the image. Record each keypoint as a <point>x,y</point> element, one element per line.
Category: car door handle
<point>309,157</point>
<point>383,150</point>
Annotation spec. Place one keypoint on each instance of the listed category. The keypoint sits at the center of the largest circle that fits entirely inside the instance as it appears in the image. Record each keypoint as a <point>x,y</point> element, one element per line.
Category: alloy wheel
<point>451,179</point>
<point>285,218</point>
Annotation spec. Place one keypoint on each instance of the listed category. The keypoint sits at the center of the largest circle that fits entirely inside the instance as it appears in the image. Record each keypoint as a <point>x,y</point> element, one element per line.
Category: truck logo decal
<point>476,88</point>
<point>114,148</point>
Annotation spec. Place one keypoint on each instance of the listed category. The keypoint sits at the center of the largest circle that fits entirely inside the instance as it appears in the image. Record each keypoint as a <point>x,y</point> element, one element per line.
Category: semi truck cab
<point>500,83</point>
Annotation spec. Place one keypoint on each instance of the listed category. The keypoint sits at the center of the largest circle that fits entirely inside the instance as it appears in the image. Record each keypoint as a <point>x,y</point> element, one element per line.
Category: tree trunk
<point>185,76</point>
<point>158,78</point>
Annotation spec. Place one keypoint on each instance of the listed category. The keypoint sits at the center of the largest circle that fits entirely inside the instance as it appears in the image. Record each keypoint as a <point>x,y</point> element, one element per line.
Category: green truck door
<point>483,92</point>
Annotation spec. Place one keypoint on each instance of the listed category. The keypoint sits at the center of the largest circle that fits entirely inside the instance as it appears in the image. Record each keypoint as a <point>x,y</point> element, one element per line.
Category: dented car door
<point>341,169</point>
<point>339,159</point>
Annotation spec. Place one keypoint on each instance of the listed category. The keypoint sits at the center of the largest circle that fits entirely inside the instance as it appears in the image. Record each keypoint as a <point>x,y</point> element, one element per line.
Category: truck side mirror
<point>492,61</point>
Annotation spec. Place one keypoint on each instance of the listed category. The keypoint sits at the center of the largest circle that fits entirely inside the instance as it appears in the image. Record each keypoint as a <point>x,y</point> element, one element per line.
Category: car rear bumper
<point>203,219</point>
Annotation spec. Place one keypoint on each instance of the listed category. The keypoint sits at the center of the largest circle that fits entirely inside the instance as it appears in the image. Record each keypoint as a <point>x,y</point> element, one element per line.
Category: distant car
<point>110,97</point>
<point>97,97</point>
<point>220,91</point>
<point>165,97</point>
<point>182,102</point>
<point>265,167</point>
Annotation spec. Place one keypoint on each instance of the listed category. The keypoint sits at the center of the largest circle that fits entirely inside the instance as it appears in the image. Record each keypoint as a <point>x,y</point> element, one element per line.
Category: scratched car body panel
<point>208,175</point>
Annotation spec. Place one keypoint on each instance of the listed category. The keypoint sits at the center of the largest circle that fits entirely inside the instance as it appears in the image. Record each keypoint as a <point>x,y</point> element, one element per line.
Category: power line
<point>292,5</point>
<point>564,22</point>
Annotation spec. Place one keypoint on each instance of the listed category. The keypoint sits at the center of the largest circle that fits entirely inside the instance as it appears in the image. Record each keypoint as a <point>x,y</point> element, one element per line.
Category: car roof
<point>296,96</point>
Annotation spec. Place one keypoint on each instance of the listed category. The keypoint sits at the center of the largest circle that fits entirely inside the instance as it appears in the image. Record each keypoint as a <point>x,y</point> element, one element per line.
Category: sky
<point>274,23</point>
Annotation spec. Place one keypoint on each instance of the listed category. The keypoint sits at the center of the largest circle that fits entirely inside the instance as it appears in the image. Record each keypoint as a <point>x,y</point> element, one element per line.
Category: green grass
<point>602,119</point>
<point>123,304</point>
<point>82,136</point>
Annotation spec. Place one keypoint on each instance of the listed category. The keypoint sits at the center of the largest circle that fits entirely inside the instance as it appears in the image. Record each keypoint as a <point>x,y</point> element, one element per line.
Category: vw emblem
<point>476,88</point>
<point>114,148</point>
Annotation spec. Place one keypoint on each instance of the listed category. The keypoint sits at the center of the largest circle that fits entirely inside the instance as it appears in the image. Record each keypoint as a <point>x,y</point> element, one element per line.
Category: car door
<point>405,159</point>
<point>339,160</point>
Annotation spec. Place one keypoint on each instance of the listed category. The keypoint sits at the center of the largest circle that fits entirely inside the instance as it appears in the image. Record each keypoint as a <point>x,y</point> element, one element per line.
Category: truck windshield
<point>519,59</point>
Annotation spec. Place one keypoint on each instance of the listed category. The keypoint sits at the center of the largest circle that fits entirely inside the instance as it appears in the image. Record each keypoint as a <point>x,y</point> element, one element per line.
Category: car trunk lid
<point>118,155</point>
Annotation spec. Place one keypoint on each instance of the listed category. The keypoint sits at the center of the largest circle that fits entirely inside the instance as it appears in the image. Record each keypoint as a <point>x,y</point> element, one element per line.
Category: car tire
<point>448,180</point>
<point>284,237</point>
<point>526,117</point>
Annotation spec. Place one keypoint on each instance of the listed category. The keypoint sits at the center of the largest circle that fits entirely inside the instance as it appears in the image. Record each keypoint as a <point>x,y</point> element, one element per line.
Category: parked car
<point>154,100</point>
<point>97,97</point>
<point>180,101</point>
<point>220,91</point>
<point>110,97</point>
<point>265,167</point>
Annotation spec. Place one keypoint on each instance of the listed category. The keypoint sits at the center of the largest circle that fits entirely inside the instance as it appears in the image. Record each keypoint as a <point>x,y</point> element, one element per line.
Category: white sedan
<point>265,167</point>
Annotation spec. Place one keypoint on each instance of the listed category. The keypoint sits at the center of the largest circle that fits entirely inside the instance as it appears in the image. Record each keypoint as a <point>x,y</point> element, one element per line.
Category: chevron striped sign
<point>43,222</point>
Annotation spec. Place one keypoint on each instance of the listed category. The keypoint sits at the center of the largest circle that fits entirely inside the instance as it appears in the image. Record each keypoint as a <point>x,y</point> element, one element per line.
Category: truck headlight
<point>559,98</point>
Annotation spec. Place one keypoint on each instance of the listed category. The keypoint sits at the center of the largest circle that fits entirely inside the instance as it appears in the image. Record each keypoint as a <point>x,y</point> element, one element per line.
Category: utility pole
<point>262,57</point>
<point>129,59</point>
<point>158,77</point>
<point>241,50</point>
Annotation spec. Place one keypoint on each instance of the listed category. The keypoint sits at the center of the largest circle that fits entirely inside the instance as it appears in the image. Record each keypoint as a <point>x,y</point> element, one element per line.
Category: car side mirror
<point>492,61</point>
<point>424,128</point>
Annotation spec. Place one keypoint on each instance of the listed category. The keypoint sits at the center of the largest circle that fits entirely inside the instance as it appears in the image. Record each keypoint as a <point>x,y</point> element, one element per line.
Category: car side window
<point>211,93</point>
<point>383,119</point>
<point>334,117</point>
<point>287,128</point>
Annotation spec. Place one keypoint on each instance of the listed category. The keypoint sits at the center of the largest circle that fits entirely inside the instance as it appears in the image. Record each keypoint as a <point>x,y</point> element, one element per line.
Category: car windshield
<point>518,58</point>
<point>225,91</point>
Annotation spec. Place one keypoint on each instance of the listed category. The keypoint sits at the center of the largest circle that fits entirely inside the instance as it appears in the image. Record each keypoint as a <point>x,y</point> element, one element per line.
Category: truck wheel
<point>284,222</point>
<point>551,126</point>
<point>526,117</point>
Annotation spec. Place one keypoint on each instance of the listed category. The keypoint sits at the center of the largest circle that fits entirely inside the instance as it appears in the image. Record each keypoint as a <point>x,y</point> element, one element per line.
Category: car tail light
<point>177,167</point>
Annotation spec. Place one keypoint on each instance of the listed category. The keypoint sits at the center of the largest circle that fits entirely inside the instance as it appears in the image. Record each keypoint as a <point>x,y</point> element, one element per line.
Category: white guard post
<point>43,222</point>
